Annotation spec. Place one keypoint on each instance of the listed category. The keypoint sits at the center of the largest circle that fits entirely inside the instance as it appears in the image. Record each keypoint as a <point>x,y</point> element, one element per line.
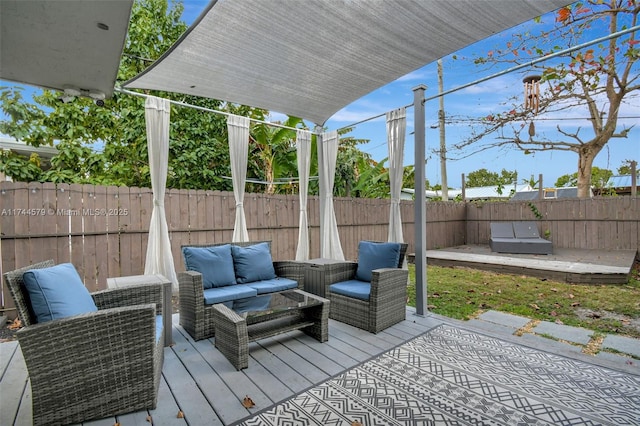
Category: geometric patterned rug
<point>452,376</point>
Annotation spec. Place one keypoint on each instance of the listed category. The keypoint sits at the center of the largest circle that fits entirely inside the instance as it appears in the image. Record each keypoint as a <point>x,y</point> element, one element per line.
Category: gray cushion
<point>373,255</point>
<point>57,292</point>
<point>253,263</point>
<point>214,263</point>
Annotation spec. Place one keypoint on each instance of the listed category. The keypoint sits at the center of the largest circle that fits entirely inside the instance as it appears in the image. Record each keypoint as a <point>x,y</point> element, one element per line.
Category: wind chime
<point>532,98</point>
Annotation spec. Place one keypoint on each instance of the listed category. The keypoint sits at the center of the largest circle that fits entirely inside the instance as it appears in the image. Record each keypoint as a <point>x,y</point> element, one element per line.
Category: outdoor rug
<point>451,376</point>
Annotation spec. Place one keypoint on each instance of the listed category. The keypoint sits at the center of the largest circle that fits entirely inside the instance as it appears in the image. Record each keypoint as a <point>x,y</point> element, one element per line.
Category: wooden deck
<point>569,265</point>
<point>198,381</point>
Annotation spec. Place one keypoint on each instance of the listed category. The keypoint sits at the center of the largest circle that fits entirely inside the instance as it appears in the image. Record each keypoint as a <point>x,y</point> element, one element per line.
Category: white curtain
<point>396,127</point>
<point>330,247</point>
<point>304,164</point>
<point>238,128</point>
<point>159,258</point>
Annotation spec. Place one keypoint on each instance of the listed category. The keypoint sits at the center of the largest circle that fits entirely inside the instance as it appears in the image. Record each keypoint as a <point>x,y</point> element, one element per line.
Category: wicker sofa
<point>196,305</point>
<point>96,364</point>
<point>372,303</point>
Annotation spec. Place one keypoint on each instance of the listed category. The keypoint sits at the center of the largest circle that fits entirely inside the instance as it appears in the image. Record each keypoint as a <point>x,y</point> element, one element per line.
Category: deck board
<point>185,390</point>
<point>166,413</point>
<point>13,384</point>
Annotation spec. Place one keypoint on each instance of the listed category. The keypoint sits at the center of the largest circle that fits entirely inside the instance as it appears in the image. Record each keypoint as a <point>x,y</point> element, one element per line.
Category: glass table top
<point>267,304</point>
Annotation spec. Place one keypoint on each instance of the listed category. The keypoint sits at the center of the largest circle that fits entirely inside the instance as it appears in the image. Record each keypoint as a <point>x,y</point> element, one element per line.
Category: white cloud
<point>418,75</point>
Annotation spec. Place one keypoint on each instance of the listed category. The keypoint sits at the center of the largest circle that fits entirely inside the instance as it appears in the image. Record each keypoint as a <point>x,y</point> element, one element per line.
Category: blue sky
<point>477,101</point>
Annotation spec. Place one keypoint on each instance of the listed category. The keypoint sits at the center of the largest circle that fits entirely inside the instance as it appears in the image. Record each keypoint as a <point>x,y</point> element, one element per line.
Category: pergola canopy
<point>64,44</point>
<point>311,58</point>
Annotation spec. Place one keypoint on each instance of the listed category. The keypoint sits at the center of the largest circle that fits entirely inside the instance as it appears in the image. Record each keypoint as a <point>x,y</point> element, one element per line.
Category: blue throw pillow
<point>214,263</point>
<point>375,256</point>
<point>253,263</point>
<point>57,292</point>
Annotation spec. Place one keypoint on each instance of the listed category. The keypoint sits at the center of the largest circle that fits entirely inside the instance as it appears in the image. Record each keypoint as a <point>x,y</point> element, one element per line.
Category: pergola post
<point>420,200</point>
<point>318,133</point>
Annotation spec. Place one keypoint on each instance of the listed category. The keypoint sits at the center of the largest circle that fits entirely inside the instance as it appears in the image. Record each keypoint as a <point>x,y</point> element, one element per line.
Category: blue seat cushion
<point>373,255</point>
<point>253,263</point>
<point>352,288</point>
<point>159,327</point>
<point>214,263</point>
<point>57,292</point>
<point>275,284</point>
<point>225,294</point>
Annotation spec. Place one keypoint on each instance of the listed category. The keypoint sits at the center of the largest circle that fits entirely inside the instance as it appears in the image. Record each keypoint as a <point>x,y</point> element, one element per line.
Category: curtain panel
<point>330,247</point>
<point>396,129</point>
<point>159,259</point>
<point>238,128</point>
<point>303,147</point>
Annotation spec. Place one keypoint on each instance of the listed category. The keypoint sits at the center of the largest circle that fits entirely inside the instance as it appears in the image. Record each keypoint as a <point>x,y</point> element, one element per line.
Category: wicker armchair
<point>387,300</point>
<point>196,317</point>
<point>92,365</point>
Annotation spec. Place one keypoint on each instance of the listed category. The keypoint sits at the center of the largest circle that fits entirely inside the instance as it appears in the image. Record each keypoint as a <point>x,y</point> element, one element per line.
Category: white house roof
<point>310,58</point>
<point>24,149</point>
<point>477,193</point>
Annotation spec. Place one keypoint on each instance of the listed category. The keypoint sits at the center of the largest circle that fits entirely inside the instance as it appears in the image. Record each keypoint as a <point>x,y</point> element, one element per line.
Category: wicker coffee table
<point>284,312</point>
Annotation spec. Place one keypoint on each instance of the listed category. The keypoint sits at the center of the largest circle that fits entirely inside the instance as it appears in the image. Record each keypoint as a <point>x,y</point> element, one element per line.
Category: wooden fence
<point>103,230</point>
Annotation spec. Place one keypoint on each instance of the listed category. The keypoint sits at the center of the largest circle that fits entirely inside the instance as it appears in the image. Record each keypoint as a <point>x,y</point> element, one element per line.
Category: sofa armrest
<point>292,269</point>
<point>387,281</point>
<point>190,287</point>
<point>192,307</point>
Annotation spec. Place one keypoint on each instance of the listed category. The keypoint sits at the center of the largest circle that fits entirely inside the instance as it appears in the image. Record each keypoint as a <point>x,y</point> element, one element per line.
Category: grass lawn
<point>464,293</point>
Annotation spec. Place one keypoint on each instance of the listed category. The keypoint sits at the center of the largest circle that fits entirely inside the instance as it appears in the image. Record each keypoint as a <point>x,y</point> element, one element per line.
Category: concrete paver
<point>627,345</point>
<point>490,327</point>
<point>550,345</point>
<point>509,320</point>
<point>564,332</point>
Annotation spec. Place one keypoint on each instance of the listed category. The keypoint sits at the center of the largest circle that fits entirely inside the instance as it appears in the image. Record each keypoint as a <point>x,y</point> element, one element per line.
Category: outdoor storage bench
<point>518,238</point>
<point>234,274</point>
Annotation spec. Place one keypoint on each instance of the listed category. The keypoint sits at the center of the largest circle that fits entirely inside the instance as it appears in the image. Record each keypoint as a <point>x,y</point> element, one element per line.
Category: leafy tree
<point>484,177</point>
<point>599,178</point>
<point>596,79</point>
<point>625,168</point>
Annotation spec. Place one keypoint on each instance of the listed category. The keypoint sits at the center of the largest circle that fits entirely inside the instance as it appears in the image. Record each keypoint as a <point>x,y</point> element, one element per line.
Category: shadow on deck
<point>569,265</point>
